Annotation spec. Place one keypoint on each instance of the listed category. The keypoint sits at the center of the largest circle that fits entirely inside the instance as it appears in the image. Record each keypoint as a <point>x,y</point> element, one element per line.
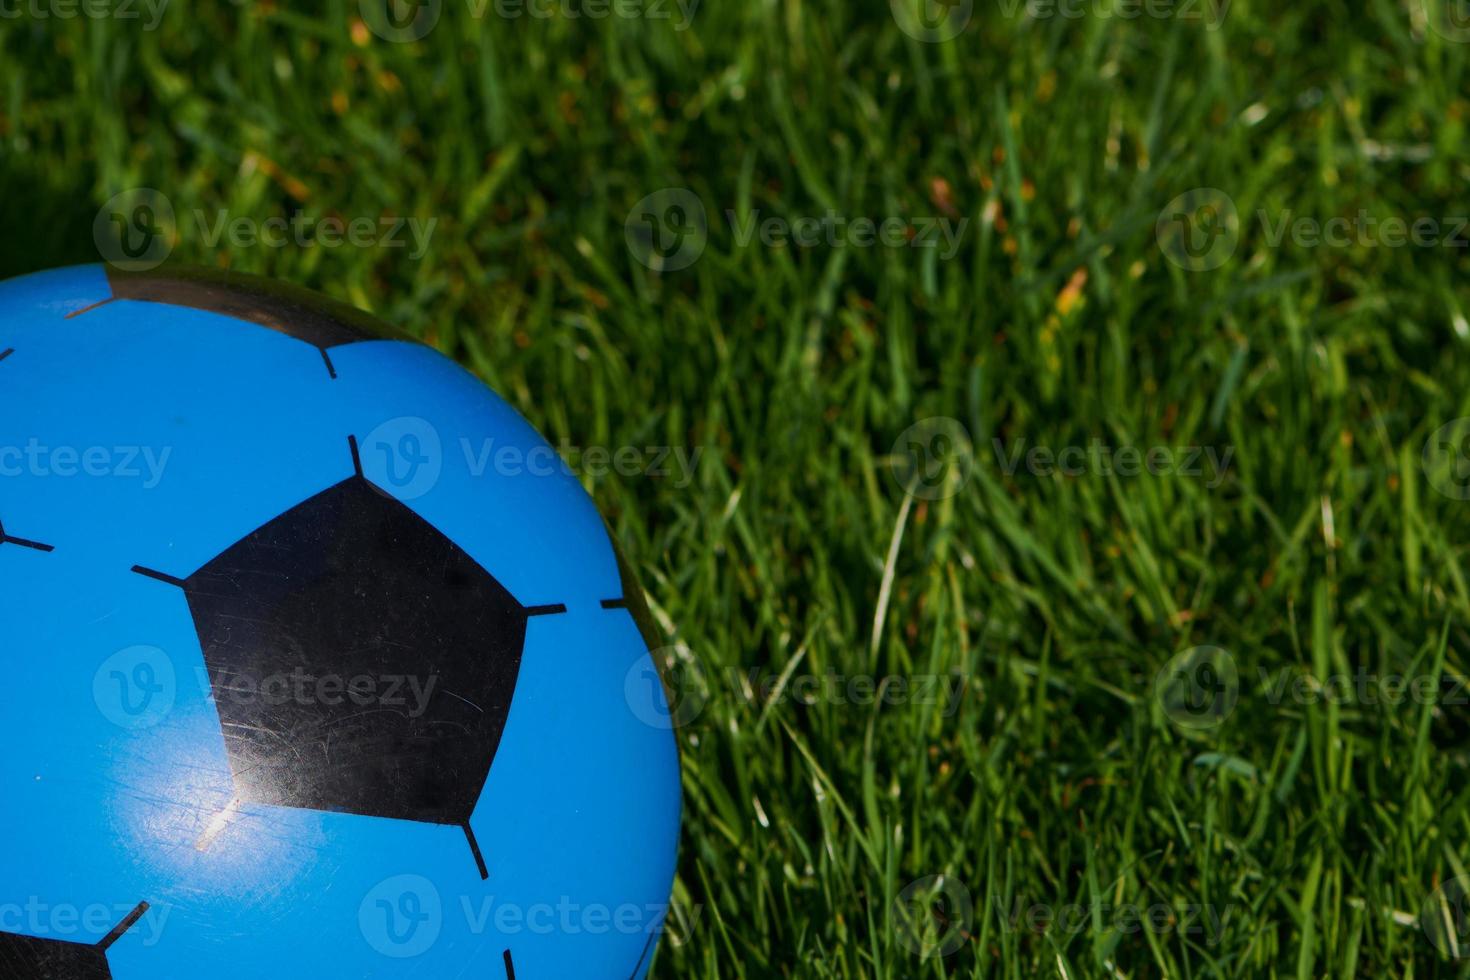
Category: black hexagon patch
<point>32,958</point>
<point>25,957</point>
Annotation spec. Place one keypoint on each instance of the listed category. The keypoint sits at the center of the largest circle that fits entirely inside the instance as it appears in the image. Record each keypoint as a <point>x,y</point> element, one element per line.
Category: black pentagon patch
<point>28,958</point>
<point>361,662</point>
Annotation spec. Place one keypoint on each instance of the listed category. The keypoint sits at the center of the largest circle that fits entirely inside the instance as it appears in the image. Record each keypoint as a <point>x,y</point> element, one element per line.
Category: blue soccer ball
<point>316,663</point>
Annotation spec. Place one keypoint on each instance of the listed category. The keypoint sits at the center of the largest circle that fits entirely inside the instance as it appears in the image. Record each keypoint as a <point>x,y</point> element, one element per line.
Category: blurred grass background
<point>1312,833</point>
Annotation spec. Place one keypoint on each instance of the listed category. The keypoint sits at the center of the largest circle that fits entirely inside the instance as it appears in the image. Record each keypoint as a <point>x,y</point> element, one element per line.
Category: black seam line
<point>615,603</point>
<point>510,967</point>
<point>123,926</point>
<point>331,368</point>
<point>553,610</point>
<point>644,958</point>
<point>6,353</point>
<point>159,576</point>
<point>469,834</point>
<point>88,309</point>
<point>356,456</point>
<point>22,542</point>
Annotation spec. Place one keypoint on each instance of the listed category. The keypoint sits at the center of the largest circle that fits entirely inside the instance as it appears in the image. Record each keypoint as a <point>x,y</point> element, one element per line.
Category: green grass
<point>1308,834</point>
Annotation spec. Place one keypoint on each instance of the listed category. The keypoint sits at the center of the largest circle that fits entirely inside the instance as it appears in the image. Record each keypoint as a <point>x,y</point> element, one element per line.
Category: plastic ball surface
<point>316,661</point>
